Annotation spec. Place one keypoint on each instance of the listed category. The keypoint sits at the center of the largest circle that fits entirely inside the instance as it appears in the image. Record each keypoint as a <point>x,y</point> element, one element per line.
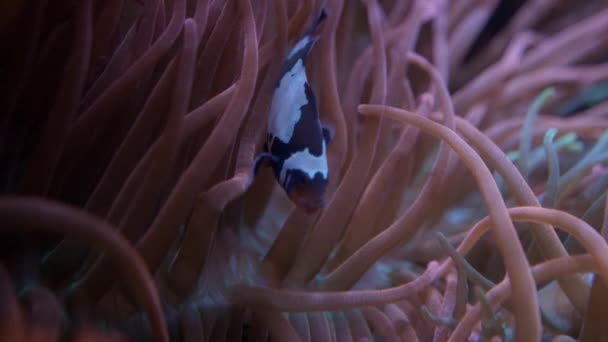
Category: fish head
<point>307,193</point>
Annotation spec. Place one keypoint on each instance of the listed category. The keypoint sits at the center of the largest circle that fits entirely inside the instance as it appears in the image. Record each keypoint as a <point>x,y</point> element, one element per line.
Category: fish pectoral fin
<point>328,134</point>
<point>264,159</point>
<point>267,142</point>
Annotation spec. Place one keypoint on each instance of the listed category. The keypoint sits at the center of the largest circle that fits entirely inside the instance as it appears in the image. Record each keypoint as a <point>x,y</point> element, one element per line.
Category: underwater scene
<point>303,170</point>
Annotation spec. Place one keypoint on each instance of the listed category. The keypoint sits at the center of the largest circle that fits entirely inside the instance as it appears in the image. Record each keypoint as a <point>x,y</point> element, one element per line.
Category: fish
<point>296,141</point>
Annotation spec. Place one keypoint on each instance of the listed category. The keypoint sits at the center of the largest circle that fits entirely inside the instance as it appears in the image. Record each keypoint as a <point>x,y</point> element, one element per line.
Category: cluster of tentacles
<point>467,195</point>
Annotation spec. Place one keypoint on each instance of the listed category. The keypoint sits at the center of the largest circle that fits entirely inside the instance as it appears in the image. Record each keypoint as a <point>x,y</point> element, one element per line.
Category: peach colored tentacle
<point>25,213</point>
<point>525,301</point>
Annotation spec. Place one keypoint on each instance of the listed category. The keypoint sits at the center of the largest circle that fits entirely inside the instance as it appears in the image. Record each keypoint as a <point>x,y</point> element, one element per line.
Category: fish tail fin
<point>313,27</point>
<point>305,44</point>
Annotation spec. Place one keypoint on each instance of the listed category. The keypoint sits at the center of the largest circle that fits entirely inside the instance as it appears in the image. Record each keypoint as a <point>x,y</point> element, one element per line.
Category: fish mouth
<point>309,208</point>
<point>307,204</point>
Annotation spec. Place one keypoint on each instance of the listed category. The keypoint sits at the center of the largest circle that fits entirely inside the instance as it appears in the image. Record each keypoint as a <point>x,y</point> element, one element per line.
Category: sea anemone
<point>129,129</point>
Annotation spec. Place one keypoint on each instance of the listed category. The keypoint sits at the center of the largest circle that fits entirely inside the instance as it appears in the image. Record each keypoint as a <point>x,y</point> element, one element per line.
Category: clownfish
<point>296,141</point>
